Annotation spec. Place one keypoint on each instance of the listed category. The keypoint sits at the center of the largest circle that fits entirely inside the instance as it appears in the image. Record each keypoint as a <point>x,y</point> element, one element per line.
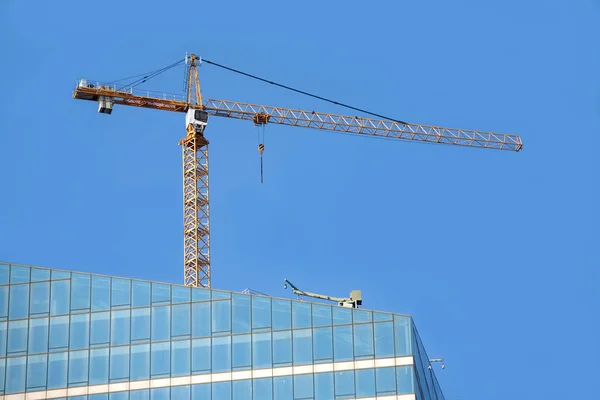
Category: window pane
<point>80,333</point>
<point>342,316</point>
<point>405,380</point>
<point>221,316</point>
<point>402,335</point>
<point>180,358</point>
<point>19,303</point>
<point>39,275</point>
<point>56,275</point>
<point>221,390</point>
<point>40,298</point>
<point>59,332</point>
<point>2,372</point>
<point>161,358</point>
<point>140,324</point>
<point>302,346</point>
<point>283,388</point>
<point>344,383</point>
<point>263,389</point>
<point>57,370</point>
<point>59,302</point>
<point>342,343</point>
<point>261,350</point>
<point>242,390</point>
<point>100,293</point>
<point>321,315</point>
<point>36,371</point>
<point>80,292</point>
<point>161,319</point>
<point>201,355</point>
<point>100,329</point>
<point>140,294</point>
<point>378,316</point>
<point>15,374</point>
<point>282,347</point>
<point>118,396</point>
<point>241,313</point>
<point>362,315</point>
<point>4,272</point>
<point>119,329</point>
<point>161,293</point>
<point>201,319</point>
<point>78,366</point>
<point>199,294</point>
<point>282,314</point>
<point>121,289</point>
<point>384,340</point>
<point>119,362</point>
<point>323,342</point>
<point>301,314</point>
<point>241,351</point>
<point>324,386</point>
<point>363,340</point>
<point>218,295</point>
<point>261,312</point>
<point>365,382</point>
<point>19,274</point>
<point>303,386</point>
<point>4,301</point>
<point>201,392</point>
<point>159,394</point>
<point>17,336</point>
<point>4,338</point>
<point>140,362</point>
<point>180,392</point>
<point>221,354</point>
<point>99,366</point>
<point>180,324</point>
<point>180,294</point>
<point>386,380</point>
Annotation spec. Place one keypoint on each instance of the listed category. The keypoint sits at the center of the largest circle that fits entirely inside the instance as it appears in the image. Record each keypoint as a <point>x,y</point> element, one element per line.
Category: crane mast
<point>196,212</point>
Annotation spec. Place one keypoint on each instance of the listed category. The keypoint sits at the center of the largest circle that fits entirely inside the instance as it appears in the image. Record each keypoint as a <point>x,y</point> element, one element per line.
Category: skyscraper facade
<point>66,334</point>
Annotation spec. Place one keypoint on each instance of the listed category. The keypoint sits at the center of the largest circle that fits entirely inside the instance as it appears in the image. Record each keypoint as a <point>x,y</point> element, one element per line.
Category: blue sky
<point>495,254</point>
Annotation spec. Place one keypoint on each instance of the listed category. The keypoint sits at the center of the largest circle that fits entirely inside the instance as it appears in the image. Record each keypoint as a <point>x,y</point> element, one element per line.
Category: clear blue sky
<point>495,254</point>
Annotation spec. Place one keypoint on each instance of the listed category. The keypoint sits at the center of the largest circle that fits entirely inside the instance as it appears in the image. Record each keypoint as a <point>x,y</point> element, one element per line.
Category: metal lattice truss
<point>196,223</point>
<point>364,126</point>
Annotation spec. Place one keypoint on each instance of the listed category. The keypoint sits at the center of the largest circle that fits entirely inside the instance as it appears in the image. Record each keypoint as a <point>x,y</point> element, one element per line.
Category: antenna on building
<point>437,360</point>
<point>353,301</point>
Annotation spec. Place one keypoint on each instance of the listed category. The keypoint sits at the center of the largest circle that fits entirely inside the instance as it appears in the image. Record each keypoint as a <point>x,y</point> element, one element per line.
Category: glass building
<point>81,336</point>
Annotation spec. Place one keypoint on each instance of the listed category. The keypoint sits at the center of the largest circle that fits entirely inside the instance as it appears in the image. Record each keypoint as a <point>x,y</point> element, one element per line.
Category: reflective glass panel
<point>282,314</point>
<point>161,293</point>
<point>140,324</point>
<point>4,301</point>
<point>15,374</point>
<point>60,296</point>
<point>202,391</point>
<point>78,366</point>
<point>19,304</point>
<point>221,390</point>
<point>363,340</point>
<point>324,386</point>
<point>119,328</point>
<point>342,316</point>
<point>282,347</point>
<point>140,362</point>
<point>180,392</point>
<point>402,335</point>
<point>323,344</point>
<point>180,358</point>
<point>57,370</point>
<point>4,338</point>
<point>99,366</point>
<point>384,339</point>
<point>386,380</point>
<point>201,355</point>
<point>56,275</point>
<point>161,359</point>
<point>241,313</point>
<point>161,319</point>
<point>119,363</point>
<point>302,339</point>
<point>4,273</point>
<point>377,316</point>
<point>39,275</point>
<point>80,331</point>
<point>19,274</point>
<point>241,351</point>
<point>40,298</point>
<point>59,332</point>
<point>100,328</point>
<point>201,319</point>
<point>261,312</point>
<point>342,343</point>
<point>36,371</point>
<point>301,315</point>
<point>362,315</point>
<point>17,336</point>
<point>242,390</point>
<point>120,292</point>
<point>221,354</point>
<point>180,294</point>
<point>365,382</point>
<point>405,381</point>
<point>321,315</point>
<point>344,383</point>
<point>100,293</point>
<point>181,320</point>
<point>140,294</point>
<point>80,292</point>
<point>199,294</point>
<point>303,386</point>
<point>283,388</point>
<point>221,316</point>
<point>261,350</point>
<point>263,389</point>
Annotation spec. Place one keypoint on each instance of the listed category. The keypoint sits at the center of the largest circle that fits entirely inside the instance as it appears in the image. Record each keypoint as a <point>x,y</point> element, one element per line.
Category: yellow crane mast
<point>197,271</point>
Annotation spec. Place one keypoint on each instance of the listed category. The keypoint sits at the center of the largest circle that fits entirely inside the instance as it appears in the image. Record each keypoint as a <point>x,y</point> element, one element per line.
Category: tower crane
<point>196,214</point>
